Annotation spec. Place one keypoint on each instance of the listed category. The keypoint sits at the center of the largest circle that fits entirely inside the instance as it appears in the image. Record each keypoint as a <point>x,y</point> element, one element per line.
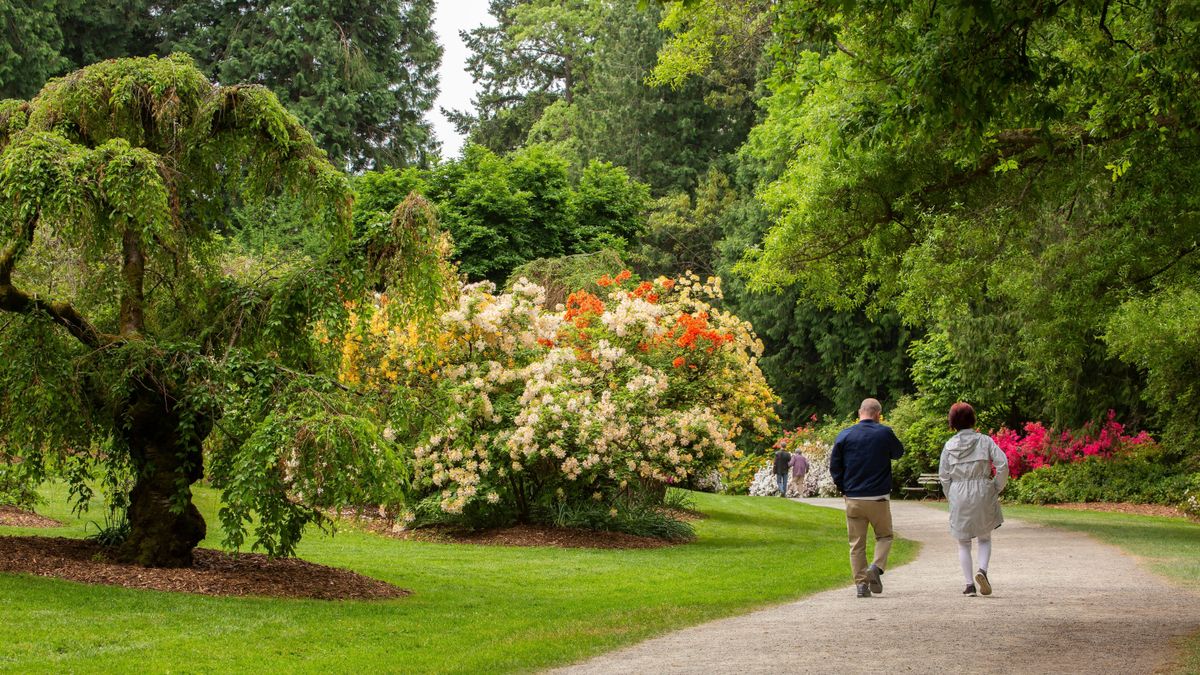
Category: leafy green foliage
<point>1010,176</point>
<point>1136,479</point>
<point>631,517</point>
<point>573,75</point>
<point>113,532</point>
<point>47,38</point>
<point>667,137</point>
<point>30,47</point>
<point>136,328</point>
<point>682,231</point>
<point>606,206</point>
<point>503,211</point>
<point>1161,336</point>
<point>360,75</point>
<point>722,42</point>
<point>538,53</point>
<point>923,430</point>
<point>567,274</point>
<point>819,360</point>
<point>16,489</point>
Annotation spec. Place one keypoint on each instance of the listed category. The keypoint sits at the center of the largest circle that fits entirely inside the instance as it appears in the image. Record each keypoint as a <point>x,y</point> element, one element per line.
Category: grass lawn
<point>475,608</point>
<point>1169,546</point>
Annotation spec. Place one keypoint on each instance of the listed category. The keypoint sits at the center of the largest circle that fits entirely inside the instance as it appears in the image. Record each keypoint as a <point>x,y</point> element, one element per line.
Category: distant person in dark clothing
<point>861,466</point>
<point>781,468</point>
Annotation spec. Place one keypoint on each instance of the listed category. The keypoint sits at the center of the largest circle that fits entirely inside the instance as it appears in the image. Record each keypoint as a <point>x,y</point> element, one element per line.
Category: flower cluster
<point>803,439</point>
<point>1040,446</point>
<point>583,402</point>
<point>1191,503</point>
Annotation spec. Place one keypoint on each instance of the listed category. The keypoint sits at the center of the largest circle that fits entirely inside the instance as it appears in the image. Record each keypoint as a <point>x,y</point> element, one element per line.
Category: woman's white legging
<point>964,556</point>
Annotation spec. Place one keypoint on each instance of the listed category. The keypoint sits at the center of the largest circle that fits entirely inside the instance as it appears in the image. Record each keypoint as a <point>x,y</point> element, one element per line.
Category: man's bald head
<point>870,409</point>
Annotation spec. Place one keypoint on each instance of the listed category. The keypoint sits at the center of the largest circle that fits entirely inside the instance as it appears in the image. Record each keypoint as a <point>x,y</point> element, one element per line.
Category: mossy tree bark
<point>164,525</point>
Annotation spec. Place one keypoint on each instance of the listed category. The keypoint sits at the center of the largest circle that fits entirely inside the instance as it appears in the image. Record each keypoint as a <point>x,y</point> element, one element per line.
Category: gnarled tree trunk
<point>164,525</point>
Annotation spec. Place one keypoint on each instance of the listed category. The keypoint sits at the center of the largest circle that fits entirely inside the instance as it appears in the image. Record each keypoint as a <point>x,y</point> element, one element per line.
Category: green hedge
<point>1136,479</point>
<point>15,489</point>
<point>923,433</point>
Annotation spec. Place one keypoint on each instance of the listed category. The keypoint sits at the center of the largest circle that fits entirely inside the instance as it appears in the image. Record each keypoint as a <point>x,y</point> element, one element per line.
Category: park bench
<point>928,485</point>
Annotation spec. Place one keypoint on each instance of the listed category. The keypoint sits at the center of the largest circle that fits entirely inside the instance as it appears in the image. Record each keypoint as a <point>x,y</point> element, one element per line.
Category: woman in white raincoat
<point>965,470</point>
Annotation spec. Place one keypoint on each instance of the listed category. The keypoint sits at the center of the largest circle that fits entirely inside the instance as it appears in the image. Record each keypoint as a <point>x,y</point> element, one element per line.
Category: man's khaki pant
<point>878,514</point>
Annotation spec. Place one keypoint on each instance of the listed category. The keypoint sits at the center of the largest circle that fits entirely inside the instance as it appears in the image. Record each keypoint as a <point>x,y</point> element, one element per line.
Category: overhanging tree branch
<point>13,299</point>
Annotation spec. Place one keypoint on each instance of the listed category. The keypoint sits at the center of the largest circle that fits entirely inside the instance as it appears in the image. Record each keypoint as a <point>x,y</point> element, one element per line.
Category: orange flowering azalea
<point>582,307</point>
<point>678,362</point>
<point>623,276</point>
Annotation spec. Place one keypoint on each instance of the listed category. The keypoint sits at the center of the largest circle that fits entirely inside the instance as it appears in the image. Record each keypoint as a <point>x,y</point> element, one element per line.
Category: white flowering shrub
<point>763,484</point>
<point>1191,502</point>
<point>710,482</point>
<point>592,401</point>
<point>818,482</point>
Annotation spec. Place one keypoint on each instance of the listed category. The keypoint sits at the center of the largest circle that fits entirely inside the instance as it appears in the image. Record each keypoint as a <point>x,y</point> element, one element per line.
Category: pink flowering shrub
<point>1040,446</point>
<point>794,438</point>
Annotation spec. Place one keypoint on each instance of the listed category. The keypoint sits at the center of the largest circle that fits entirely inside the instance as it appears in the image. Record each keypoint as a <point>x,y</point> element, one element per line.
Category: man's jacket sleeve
<point>837,465</point>
<point>897,447</point>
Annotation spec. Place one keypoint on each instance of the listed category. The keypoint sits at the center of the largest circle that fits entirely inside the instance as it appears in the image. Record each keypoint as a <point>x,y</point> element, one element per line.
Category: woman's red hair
<point>962,416</point>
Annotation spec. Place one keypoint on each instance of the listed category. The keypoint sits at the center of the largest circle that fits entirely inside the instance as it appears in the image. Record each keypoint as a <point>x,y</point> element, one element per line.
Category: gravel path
<point>1062,603</point>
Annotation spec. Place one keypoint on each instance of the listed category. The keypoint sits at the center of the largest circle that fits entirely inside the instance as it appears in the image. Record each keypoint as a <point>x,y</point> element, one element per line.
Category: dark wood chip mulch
<point>530,535</point>
<point>214,572</point>
<point>1122,507</point>
<point>11,516</point>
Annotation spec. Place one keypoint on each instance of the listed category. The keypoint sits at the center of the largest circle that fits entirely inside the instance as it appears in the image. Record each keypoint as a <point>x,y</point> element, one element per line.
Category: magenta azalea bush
<point>1040,446</point>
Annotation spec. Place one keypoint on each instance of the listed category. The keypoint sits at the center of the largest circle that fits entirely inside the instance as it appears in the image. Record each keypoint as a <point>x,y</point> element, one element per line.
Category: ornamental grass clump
<point>603,401</point>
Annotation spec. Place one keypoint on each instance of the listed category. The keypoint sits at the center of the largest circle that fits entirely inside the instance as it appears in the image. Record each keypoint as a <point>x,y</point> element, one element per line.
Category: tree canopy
<point>505,210</point>
<point>359,75</point>
<point>138,333</point>
<point>1012,173</point>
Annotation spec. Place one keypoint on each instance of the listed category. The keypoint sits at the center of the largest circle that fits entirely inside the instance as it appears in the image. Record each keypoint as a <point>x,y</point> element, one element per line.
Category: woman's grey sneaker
<point>981,580</point>
<point>873,581</point>
<point>969,590</point>
<point>864,591</point>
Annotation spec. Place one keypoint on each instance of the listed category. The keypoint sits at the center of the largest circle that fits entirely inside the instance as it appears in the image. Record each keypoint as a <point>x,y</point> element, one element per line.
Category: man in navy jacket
<point>861,466</point>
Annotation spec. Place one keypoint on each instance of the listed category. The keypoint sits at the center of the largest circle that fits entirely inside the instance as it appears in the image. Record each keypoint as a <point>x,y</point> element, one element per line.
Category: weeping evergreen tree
<point>135,336</point>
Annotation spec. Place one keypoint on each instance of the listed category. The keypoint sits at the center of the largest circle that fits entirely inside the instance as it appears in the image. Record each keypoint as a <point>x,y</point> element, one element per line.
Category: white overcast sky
<point>457,89</point>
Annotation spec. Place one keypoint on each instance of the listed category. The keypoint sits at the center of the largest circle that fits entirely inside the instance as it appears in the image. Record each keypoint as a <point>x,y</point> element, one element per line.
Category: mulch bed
<point>686,515</point>
<point>562,537</point>
<point>515,535</point>
<point>214,572</point>
<point>11,516</point>
<point>521,535</point>
<point>1120,507</point>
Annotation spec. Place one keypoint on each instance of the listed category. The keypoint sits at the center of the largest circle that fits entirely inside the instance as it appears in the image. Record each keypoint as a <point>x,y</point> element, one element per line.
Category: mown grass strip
<point>475,608</point>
